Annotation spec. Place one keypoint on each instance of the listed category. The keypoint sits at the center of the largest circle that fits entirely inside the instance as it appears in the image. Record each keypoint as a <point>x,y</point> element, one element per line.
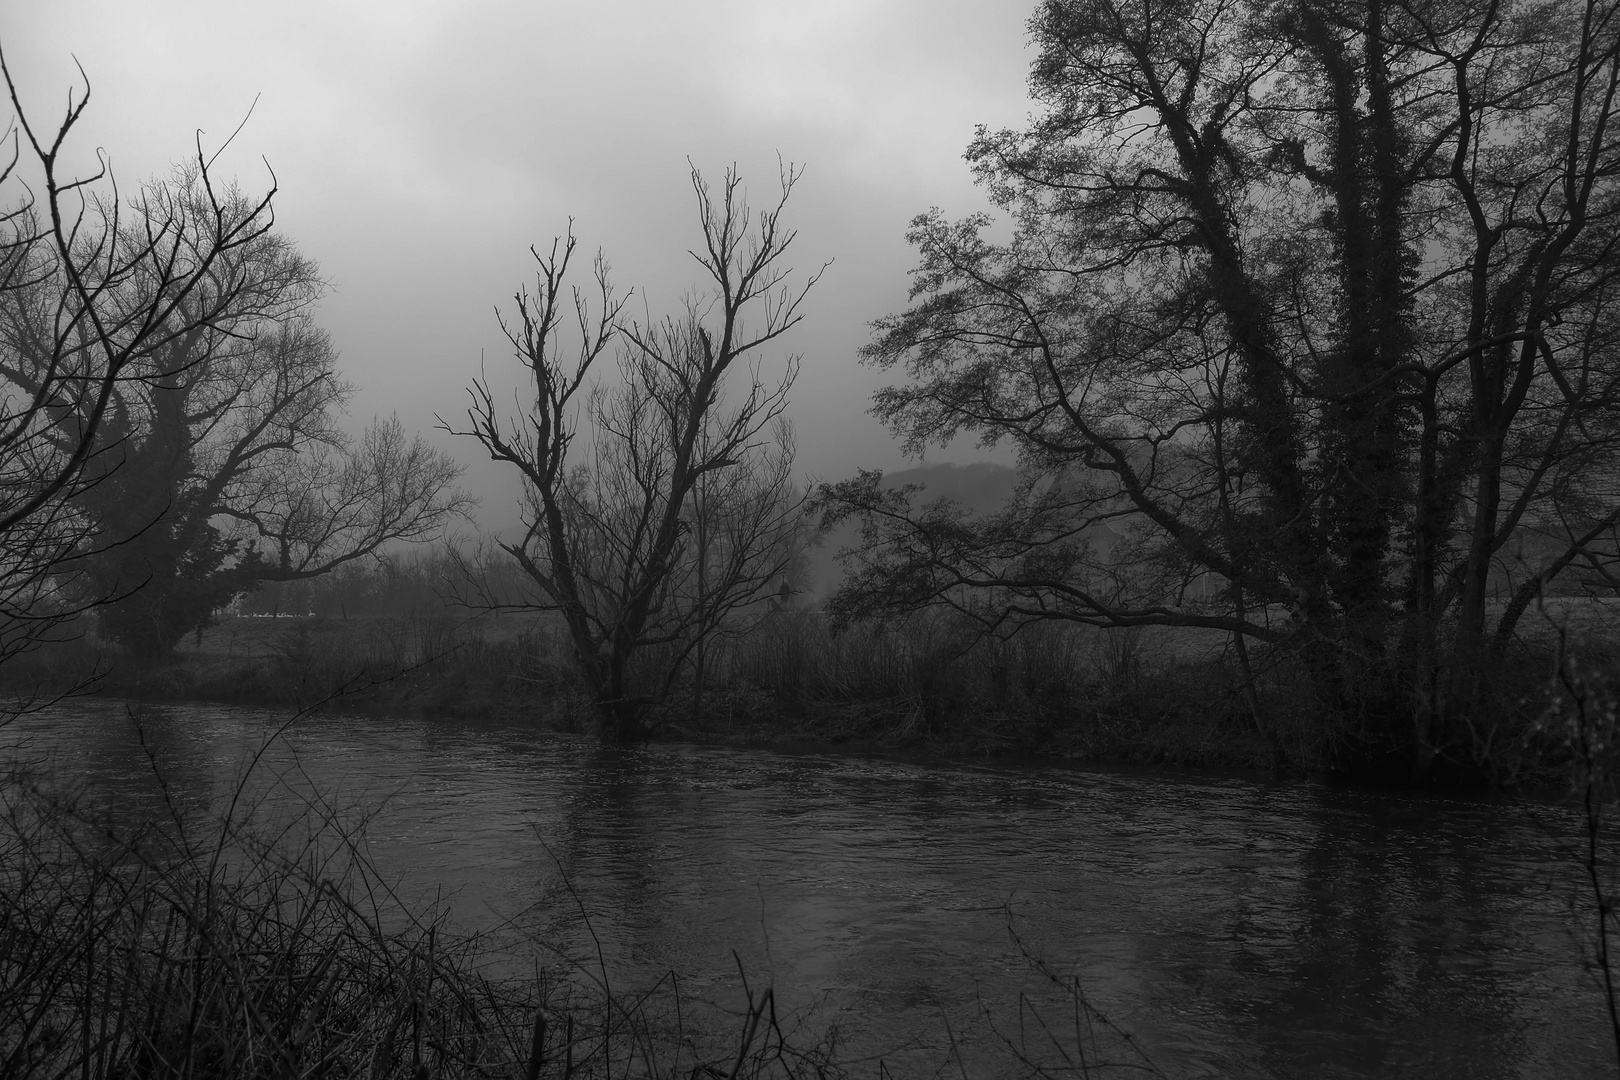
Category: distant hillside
<point>982,487</point>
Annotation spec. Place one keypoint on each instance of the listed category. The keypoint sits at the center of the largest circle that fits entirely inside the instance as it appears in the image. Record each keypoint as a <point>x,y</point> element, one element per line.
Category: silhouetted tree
<point>1310,305</point>
<point>219,462</point>
<point>659,507</point>
<point>92,286</point>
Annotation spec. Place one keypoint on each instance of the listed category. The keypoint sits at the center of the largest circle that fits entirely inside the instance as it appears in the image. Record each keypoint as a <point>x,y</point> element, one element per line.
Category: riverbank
<point>1069,693</point>
<point>790,685</point>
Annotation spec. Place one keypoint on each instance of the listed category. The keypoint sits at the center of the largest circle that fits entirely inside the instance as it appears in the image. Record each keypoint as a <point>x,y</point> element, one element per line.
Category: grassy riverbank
<point>249,948</point>
<point>1075,693</point>
<point>1080,695</point>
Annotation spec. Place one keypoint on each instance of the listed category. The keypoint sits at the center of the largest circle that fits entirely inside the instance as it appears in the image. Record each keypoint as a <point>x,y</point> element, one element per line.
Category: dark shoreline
<point>1165,705</point>
<point>873,727</point>
<point>929,753</point>
<point>883,736</point>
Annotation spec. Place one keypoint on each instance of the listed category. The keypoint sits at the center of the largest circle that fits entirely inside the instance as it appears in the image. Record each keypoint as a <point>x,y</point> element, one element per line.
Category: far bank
<point>1063,692</point>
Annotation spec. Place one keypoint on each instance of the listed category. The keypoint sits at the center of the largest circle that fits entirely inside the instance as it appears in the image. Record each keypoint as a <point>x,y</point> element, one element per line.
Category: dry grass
<point>1144,695</point>
<point>204,944</point>
<point>1052,689</point>
<point>439,664</point>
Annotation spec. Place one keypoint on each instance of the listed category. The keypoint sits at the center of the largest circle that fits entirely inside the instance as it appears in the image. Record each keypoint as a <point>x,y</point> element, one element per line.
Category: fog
<point>421,147</point>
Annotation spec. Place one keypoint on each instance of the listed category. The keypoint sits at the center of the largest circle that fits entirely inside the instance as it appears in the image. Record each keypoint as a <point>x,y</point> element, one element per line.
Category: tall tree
<point>93,285</point>
<point>219,462</point>
<point>670,509</point>
<point>1311,304</point>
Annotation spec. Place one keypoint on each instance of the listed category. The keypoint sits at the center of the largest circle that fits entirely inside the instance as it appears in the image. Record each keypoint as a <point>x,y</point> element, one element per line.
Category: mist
<point>420,149</point>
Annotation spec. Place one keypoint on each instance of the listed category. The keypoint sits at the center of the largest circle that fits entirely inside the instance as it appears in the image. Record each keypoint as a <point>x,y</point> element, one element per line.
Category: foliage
<point>92,286</point>
<point>1305,320</point>
<point>239,426</point>
<point>167,407</point>
<point>219,462</point>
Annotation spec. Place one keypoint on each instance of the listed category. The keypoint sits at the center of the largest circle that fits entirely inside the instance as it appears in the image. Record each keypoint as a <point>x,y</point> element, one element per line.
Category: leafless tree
<point>1311,306</point>
<point>106,283</point>
<point>225,465</point>
<point>659,501</point>
<point>171,410</point>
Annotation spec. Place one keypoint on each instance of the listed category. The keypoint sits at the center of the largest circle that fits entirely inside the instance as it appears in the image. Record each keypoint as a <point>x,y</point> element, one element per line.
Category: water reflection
<point>1236,928</point>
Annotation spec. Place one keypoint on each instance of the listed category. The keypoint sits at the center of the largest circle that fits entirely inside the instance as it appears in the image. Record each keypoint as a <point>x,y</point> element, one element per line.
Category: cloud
<point>422,145</point>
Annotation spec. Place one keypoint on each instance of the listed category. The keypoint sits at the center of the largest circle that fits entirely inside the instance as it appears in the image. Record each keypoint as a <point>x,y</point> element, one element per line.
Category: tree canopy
<point>1309,305</point>
<point>216,460</point>
<point>92,285</point>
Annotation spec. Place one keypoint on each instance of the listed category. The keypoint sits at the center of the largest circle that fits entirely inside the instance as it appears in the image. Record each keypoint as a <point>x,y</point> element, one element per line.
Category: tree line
<point>1304,322</point>
<point>1311,304</point>
<point>170,439</point>
<point>168,424</point>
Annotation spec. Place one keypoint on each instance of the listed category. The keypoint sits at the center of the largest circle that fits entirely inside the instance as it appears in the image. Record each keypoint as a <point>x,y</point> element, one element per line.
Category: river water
<point>1234,927</point>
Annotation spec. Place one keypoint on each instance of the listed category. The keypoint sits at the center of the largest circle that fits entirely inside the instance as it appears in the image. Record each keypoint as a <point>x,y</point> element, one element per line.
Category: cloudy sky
<point>422,145</point>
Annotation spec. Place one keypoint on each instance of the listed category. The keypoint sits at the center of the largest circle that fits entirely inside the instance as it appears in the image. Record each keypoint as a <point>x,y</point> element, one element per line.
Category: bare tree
<point>1311,306</point>
<point>105,283</point>
<point>224,465</point>
<point>175,438</point>
<point>658,502</point>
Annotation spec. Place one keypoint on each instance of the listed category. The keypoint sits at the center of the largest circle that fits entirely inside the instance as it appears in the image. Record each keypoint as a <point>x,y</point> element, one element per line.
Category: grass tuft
<point>223,945</point>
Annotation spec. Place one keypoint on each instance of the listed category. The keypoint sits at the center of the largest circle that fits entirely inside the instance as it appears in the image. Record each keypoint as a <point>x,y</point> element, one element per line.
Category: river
<point>1235,927</point>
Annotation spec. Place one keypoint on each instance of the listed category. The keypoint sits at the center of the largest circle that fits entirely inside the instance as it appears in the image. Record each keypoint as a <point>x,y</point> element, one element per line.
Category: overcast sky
<point>422,145</point>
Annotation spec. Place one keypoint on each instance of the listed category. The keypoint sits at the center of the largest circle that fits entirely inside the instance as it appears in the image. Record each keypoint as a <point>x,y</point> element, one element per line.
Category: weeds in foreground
<point>230,942</point>
<point>1079,1040</point>
<point>189,946</point>
<point>1584,717</point>
<point>166,951</point>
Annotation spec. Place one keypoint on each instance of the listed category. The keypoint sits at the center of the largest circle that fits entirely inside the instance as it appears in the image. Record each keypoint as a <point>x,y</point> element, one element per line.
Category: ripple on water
<point>1236,928</point>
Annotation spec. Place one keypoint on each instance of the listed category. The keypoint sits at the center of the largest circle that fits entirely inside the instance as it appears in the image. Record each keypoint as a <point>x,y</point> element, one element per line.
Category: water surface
<point>1235,927</point>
